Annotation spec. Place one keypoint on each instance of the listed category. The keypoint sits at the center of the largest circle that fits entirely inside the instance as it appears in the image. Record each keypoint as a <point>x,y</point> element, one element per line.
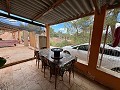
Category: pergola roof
<point>54,11</point>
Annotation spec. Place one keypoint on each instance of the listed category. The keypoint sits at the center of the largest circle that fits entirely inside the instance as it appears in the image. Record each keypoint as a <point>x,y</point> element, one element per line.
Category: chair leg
<point>73,72</point>
<point>62,78</point>
<point>44,71</point>
<point>55,77</point>
<point>50,74</point>
<point>69,76</point>
<point>38,64</point>
<point>42,64</point>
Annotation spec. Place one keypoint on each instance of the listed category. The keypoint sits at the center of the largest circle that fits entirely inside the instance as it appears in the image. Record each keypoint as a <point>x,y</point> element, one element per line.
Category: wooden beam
<point>96,6</point>
<point>21,19</point>
<point>57,3</point>
<point>8,6</point>
<point>48,35</point>
<point>92,13</point>
<point>96,38</point>
<point>77,17</point>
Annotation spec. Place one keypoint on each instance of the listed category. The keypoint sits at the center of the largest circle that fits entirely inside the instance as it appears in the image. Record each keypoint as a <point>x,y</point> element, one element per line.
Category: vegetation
<point>79,31</point>
<point>2,61</point>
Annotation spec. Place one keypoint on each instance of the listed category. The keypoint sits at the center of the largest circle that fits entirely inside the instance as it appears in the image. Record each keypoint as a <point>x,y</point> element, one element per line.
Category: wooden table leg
<point>69,76</point>
<point>55,76</point>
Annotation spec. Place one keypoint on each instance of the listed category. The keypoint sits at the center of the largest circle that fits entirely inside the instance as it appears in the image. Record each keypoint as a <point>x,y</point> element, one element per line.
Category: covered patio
<point>45,13</point>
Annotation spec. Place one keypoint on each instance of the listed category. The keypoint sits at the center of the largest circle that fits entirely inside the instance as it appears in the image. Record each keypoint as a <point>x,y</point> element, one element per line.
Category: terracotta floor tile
<point>26,76</point>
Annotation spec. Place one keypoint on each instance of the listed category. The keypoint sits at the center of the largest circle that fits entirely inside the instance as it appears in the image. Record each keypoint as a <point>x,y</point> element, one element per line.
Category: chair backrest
<point>65,51</point>
<point>75,59</point>
<point>36,54</point>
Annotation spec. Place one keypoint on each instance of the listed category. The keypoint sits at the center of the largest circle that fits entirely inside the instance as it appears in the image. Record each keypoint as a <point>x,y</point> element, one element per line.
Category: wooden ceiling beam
<point>57,3</point>
<point>8,6</point>
<point>21,19</point>
<point>96,6</point>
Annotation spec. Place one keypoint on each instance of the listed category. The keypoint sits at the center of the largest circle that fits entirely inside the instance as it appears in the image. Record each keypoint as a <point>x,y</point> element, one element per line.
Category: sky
<point>59,27</point>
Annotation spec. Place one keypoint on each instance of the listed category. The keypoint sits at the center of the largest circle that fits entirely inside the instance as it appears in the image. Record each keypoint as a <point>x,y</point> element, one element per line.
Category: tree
<point>30,27</point>
<point>79,25</point>
<point>111,19</point>
<point>53,33</point>
<point>80,29</point>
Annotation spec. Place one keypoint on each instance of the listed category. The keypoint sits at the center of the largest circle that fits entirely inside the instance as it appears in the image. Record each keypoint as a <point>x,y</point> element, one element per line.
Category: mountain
<point>10,21</point>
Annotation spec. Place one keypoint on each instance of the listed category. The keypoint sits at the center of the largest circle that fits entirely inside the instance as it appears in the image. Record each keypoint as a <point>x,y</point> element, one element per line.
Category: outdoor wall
<point>99,76</point>
<point>6,36</point>
<point>25,38</point>
<point>42,42</point>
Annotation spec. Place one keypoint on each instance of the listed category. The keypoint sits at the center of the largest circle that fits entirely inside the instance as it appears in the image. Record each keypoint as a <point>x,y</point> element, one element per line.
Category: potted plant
<point>2,61</point>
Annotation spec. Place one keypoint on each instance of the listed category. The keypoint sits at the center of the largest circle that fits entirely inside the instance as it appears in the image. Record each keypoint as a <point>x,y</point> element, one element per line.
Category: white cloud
<point>63,30</point>
<point>12,20</point>
<point>117,25</point>
<point>109,30</point>
<point>74,20</point>
<point>54,25</point>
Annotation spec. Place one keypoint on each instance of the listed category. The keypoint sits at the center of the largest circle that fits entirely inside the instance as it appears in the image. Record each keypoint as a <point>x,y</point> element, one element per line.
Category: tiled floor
<point>26,76</point>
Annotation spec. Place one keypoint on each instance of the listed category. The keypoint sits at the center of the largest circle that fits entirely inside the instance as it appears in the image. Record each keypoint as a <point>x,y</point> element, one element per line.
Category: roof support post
<point>25,38</point>
<point>32,39</point>
<point>48,35</point>
<point>19,36</point>
<point>8,6</point>
<point>96,37</point>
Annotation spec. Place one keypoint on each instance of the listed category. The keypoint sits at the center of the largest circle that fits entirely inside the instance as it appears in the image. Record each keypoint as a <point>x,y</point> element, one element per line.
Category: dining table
<point>60,62</point>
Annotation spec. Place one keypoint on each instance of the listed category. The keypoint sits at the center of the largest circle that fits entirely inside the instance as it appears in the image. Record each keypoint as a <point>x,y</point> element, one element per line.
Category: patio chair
<point>45,63</point>
<point>41,58</point>
<point>69,67</point>
<point>36,56</point>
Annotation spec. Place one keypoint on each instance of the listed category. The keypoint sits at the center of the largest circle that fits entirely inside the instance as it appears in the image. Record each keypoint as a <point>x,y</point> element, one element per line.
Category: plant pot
<point>2,61</point>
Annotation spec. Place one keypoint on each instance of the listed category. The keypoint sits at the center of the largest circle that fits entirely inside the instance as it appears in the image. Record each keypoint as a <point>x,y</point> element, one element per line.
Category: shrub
<point>0,38</point>
<point>2,61</point>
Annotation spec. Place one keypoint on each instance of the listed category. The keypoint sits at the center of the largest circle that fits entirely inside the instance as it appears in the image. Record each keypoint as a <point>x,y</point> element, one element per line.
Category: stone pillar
<point>25,38</point>
<point>19,36</point>
<point>32,39</point>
